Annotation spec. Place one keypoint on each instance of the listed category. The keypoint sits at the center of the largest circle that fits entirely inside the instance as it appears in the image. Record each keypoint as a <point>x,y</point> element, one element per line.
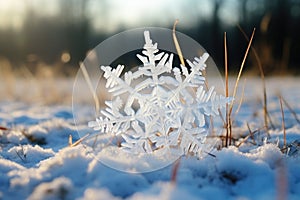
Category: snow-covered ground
<point>36,161</point>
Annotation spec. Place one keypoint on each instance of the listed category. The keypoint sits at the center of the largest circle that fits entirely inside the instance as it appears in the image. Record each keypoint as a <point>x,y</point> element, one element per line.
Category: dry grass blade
<point>78,141</point>
<point>88,81</point>
<point>226,65</point>
<point>70,140</point>
<point>270,121</point>
<point>251,134</point>
<point>242,66</point>
<point>221,116</point>
<point>262,75</point>
<point>32,139</point>
<point>228,123</point>
<point>23,159</point>
<point>2,128</point>
<point>291,109</point>
<point>175,171</point>
<point>178,49</point>
<point>241,100</point>
<point>281,181</point>
<point>283,124</point>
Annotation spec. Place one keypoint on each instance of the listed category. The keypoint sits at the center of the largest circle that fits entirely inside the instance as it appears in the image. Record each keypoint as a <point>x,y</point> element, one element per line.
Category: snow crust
<point>44,167</point>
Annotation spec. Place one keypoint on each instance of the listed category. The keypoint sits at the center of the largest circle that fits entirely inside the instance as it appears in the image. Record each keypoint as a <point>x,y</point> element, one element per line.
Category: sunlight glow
<point>65,57</point>
<point>137,13</point>
<point>11,13</point>
<point>113,15</point>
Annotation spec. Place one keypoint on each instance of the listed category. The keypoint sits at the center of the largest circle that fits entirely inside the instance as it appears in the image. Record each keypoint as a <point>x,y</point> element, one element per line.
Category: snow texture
<point>52,170</point>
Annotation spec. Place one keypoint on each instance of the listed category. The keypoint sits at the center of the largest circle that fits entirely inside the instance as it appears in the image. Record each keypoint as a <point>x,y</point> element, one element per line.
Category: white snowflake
<point>165,110</point>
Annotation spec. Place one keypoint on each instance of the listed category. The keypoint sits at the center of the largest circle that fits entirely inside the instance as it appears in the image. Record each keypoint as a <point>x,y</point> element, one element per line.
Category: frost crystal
<point>158,107</point>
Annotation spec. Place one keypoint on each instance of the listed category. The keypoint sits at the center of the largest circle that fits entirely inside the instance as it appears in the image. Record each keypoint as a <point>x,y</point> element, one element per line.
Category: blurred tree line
<point>64,39</point>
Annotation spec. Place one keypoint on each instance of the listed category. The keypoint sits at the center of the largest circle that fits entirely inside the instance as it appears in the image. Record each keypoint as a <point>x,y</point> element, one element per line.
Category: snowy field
<point>36,161</point>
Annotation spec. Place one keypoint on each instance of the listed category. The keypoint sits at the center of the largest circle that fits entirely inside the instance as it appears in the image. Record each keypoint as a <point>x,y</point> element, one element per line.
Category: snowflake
<point>158,107</point>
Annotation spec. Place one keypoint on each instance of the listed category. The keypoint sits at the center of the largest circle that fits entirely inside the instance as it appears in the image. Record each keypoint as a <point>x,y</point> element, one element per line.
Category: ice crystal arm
<point>189,77</point>
<point>134,146</point>
<point>198,63</point>
<point>117,85</point>
<point>185,71</point>
<point>112,110</point>
<point>151,68</point>
<point>210,102</point>
<point>149,52</point>
<point>112,75</point>
<point>177,74</point>
<point>192,140</point>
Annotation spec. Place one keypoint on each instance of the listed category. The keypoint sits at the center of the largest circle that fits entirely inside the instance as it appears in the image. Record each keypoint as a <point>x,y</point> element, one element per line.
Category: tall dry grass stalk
<point>262,75</point>
<point>283,126</point>
<point>181,58</point>
<point>290,109</point>
<point>228,124</point>
<point>228,137</point>
<point>89,82</point>
<point>178,49</point>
